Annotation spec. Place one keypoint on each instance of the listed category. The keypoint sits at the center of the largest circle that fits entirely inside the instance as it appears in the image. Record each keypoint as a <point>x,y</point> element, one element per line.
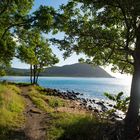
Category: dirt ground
<point>35,125</point>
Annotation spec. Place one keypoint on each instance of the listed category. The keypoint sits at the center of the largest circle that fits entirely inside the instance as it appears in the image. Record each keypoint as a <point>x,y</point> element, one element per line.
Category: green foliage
<point>55,101</point>
<point>12,106</point>
<point>105,31</point>
<point>39,88</point>
<point>15,17</point>
<point>121,103</point>
<point>12,14</point>
<point>40,103</point>
<point>36,51</point>
<point>44,102</point>
<point>7,50</point>
<point>74,126</point>
<point>45,16</point>
<point>2,72</point>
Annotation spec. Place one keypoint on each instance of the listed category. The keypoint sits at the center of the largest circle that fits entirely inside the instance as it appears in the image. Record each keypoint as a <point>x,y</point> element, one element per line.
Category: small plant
<point>121,102</point>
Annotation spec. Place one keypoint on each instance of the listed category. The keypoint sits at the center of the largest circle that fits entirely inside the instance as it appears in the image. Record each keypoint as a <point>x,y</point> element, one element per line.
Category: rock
<point>72,106</point>
<point>90,100</point>
<point>83,100</point>
<point>84,104</point>
<point>113,118</point>
<point>99,103</point>
<point>96,110</point>
<point>115,115</point>
<point>110,105</point>
<point>103,107</point>
<point>90,107</point>
<point>55,90</point>
<point>77,93</point>
<point>34,111</point>
<point>93,101</point>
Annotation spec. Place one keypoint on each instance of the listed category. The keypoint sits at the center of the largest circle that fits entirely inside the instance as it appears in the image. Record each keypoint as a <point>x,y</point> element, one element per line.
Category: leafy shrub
<point>121,102</point>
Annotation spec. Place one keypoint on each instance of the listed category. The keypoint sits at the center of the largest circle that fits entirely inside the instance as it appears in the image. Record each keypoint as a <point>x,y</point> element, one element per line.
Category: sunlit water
<point>90,87</point>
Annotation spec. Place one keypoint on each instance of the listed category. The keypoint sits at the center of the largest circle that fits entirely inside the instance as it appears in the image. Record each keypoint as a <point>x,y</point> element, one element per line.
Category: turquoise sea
<point>90,87</point>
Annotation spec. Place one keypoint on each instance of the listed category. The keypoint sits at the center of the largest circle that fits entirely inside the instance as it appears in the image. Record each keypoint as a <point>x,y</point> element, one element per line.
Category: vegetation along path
<point>35,113</point>
<point>35,126</point>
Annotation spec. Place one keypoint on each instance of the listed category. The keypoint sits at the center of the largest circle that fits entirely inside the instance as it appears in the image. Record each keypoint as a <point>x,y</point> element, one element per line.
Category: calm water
<point>90,87</point>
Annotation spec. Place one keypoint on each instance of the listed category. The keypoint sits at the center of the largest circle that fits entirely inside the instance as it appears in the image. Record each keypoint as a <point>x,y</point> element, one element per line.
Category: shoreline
<point>99,106</point>
<point>94,105</point>
<point>53,110</point>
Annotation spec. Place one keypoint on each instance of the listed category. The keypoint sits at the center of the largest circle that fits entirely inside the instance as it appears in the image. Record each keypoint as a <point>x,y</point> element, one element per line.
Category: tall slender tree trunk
<point>34,73</point>
<point>131,120</point>
<point>31,74</point>
<point>37,75</point>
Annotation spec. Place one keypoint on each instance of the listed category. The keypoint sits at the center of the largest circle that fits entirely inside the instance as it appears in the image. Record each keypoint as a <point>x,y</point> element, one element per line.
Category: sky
<point>71,60</point>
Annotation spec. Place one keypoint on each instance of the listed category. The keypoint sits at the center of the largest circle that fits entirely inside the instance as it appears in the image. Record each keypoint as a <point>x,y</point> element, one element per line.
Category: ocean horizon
<point>89,87</point>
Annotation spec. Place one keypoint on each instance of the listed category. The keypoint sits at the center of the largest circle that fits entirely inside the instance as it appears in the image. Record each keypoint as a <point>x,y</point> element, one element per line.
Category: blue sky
<point>74,58</point>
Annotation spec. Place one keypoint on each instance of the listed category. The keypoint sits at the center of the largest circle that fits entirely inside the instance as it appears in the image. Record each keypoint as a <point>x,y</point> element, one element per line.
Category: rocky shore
<point>94,105</point>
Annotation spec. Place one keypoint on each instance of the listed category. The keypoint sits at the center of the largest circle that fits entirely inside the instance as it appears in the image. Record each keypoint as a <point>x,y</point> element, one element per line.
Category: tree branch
<point>16,24</point>
<point>5,7</point>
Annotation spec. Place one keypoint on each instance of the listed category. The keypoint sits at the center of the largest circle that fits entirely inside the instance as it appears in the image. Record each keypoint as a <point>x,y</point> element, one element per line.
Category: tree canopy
<point>108,32</point>
<point>104,30</point>
<point>12,13</point>
<point>36,51</point>
<point>15,15</point>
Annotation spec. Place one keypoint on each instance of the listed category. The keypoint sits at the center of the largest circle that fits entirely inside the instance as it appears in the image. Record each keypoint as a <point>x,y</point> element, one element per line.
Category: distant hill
<point>74,70</point>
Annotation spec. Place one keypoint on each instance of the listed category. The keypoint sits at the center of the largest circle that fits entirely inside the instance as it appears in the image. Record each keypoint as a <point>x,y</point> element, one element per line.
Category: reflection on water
<point>91,87</point>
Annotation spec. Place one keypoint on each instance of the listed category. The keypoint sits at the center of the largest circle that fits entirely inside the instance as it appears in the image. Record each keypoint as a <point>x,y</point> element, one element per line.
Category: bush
<point>121,102</point>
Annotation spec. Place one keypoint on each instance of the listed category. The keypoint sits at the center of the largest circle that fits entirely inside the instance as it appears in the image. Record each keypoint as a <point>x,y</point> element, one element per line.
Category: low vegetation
<point>121,102</point>
<point>71,126</point>
<point>64,119</point>
<point>12,106</point>
<point>64,124</point>
<point>45,103</point>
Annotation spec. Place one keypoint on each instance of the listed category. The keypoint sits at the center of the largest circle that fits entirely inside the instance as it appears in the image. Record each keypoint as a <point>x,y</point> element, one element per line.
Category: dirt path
<point>35,125</point>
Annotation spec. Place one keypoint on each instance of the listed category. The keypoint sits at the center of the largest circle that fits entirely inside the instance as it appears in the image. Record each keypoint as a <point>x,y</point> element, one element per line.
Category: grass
<point>60,125</point>
<point>12,106</point>
<point>66,126</point>
<point>44,102</point>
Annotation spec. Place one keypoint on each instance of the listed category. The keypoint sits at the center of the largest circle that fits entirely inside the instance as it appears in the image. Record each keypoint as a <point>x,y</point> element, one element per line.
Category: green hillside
<point>74,70</point>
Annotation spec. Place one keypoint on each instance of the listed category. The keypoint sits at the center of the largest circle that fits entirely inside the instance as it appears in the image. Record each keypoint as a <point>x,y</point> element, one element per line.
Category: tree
<point>15,15</point>
<point>108,32</point>
<point>7,51</point>
<point>34,50</point>
<point>12,14</point>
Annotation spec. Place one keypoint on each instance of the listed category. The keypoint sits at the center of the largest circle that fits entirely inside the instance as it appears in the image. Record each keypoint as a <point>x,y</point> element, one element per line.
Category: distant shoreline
<point>74,70</point>
<point>57,76</point>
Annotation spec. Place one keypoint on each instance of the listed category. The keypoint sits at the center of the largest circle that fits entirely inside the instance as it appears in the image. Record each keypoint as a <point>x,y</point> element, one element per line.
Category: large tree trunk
<point>131,120</point>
